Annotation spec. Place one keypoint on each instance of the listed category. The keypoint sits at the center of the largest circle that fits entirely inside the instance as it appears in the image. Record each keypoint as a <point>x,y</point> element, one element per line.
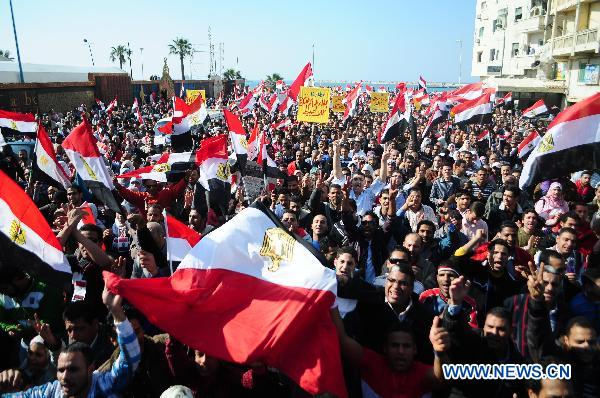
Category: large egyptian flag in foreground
<point>26,239</point>
<point>46,167</point>
<point>22,122</point>
<point>80,146</point>
<point>237,134</point>
<point>180,238</point>
<point>249,291</point>
<point>475,111</point>
<point>571,143</point>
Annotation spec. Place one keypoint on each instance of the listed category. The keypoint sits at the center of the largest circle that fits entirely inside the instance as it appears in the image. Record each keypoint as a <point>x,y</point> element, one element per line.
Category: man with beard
<point>578,347</point>
<point>493,345</point>
<point>436,299</point>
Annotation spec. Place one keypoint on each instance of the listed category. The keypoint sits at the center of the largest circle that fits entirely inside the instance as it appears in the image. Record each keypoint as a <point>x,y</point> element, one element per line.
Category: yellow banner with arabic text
<point>337,105</point>
<point>379,102</point>
<point>313,104</point>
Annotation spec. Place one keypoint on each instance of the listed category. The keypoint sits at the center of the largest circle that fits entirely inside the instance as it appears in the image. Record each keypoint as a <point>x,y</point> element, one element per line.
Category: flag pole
<point>17,44</point>
<point>167,240</point>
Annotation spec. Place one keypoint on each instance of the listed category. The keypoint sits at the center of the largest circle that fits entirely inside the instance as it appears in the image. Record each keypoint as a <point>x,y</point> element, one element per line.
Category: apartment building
<point>538,48</point>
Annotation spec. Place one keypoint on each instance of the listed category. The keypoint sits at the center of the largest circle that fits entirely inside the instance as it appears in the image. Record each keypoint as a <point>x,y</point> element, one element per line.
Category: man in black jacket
<point>493,345</point>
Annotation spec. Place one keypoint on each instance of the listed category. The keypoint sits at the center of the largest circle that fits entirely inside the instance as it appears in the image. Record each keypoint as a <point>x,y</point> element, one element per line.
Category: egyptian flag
<point>484,135</point>
<point>398,120</point>
<point>136,111</point>
<point>528,144</point>
<point>368,89</point>
<point>422,83</point>
<point>571,143</point>
<point>304,78</point>
<point>475,111</point>
<point>18,123</point>
<point>80,146</point>
<point>281,125</point>
<point>438,114</point>
<point>170,167</point>
<point>111,107</point>
<point>27,241</point>
<point>264,158</point>
<point>467,92</point>
<point>505,101</point>
<point>268,297</point>
<point>254,142</point>
<point>180,238</point>
<point>535,110</point>
<point>100,104</point>
<point>184,118</point>
<point>237,134</point>
<point>46,167</point>
<point>351,101</point>
<point>215,173</point>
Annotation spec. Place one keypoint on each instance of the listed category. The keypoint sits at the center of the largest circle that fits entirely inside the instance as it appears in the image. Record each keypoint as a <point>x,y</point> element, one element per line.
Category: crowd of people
<point>440,258</point>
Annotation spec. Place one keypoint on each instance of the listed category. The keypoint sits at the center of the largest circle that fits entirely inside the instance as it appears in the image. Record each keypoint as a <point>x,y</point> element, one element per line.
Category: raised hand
<point>535,281</point>
<point>118,266</point>
<point>114,304</point>
<point>458,290</point>
<point>43,329</point>
<point>439,336</point>
<point>11,380</point>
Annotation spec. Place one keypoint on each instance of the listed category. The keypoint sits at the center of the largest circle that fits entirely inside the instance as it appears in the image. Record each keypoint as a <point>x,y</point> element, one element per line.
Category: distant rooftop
<point>42,73</point>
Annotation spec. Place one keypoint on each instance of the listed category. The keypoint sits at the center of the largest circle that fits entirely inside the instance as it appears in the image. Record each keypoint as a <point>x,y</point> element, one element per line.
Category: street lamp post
<point>90,47</point>
<point>17,44</point>
<point>459,61</point>
<point>142,60</point>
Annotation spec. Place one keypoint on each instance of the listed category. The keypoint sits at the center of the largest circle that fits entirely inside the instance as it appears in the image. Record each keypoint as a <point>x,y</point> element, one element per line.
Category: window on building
<point>481,30</point>
<point>515,49</point>
<point>581,72</point>
<point>479,56</point>
<point>483,6</point>
<point>492,54</point>
<point>518,14</point>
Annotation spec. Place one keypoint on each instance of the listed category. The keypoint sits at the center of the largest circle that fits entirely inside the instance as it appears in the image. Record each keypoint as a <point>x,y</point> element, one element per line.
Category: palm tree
<point>6,54</point>
<point>232,74</point>
<point>272,80</point>
<point>183,48</point>
<point>118,53</point>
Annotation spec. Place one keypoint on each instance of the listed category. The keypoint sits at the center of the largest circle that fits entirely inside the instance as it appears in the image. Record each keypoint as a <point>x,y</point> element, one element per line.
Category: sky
<point>377,40</point>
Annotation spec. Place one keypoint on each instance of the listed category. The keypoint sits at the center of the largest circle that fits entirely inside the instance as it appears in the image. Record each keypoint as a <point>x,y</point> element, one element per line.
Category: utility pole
<point>459,61</point>
<point>129,56</point>
<point>313,58</point>
<point>142,60</point>
<point>17,44</point>
<point>90,47</point>
<point>211,55</point>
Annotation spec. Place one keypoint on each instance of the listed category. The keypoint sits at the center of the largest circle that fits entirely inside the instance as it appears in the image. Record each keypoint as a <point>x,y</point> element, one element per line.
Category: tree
<point>184,49</point>
<point>6,54</point>
<point>232,74</point>
<point>272,80</point>
<point>118,53</point>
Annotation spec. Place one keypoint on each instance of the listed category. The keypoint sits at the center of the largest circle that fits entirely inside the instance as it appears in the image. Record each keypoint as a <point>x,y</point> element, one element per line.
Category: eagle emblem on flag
<point>17,233</point>
<point>44,160</point>
<point>244,142</point>
<point>223,171</point>
<point>278,245</point>
<point>162,167</point>
<point>13,125</point>
<point>88,169</point>
<point>547,143</point>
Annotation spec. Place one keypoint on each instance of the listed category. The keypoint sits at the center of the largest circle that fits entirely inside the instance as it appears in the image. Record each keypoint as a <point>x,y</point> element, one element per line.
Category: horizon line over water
<point>388,86</point>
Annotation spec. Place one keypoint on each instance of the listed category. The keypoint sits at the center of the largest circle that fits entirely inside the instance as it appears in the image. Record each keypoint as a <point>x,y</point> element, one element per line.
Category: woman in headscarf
<point>552,205</point>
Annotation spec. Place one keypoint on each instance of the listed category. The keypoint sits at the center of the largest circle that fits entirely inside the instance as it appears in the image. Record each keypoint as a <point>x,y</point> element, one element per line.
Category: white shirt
<point>365,200</point>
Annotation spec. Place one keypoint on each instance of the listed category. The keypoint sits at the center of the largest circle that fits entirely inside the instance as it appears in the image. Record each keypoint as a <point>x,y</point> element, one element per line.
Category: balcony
<point>566,5</point>
<point>585,41</point>
<point>530,25</point>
